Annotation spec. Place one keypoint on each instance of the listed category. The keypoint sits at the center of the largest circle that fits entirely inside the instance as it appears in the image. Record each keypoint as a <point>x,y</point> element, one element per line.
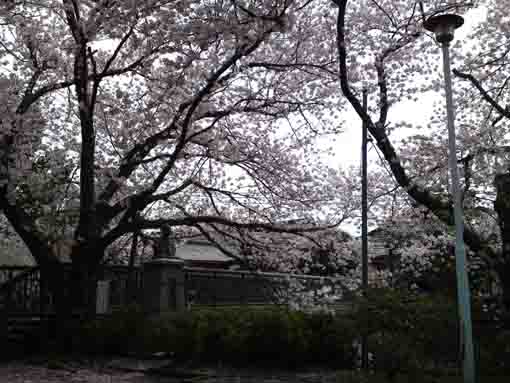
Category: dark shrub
<point>240,336</point>
<point>116,334</point>
<point>415,333</point>
<point>405,332</point>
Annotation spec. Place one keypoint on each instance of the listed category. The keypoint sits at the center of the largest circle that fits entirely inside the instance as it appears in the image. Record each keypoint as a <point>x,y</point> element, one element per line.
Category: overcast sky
<point>348,144</point>
<point>417,113</point>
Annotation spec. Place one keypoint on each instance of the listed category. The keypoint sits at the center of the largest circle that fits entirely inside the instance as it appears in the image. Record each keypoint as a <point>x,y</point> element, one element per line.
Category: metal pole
<point>463,296</point>
<point>364,224</point>
<point>364,205</point>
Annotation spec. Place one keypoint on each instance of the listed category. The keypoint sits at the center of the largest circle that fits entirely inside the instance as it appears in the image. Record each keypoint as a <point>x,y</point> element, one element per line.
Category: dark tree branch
<point>381,80</point>
<point>195,102</point>
<point>222,248</point>
<point>442,209</point>
<point>25,227</point>
<point>87,227</point>
<point>466,162</point>
<point>189,107</point>
<point>135,223</point>
<point>31,97</point>
<point>210,190</point>
<point>486,96</point>
<point>296,65</point>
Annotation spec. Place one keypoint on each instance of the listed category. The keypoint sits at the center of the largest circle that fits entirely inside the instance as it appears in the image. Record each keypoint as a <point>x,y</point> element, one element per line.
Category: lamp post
<point>443,27</point>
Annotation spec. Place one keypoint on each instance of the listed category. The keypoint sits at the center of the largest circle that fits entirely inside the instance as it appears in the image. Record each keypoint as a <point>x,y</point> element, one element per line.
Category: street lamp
<point>443,27</point>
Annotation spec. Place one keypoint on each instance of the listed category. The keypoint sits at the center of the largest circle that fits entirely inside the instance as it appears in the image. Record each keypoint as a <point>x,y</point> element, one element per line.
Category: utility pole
<point>364,222</point>
<point>131,288</point>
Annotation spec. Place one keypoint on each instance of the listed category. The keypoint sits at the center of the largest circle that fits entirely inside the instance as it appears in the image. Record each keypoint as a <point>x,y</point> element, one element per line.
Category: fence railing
<point>220,287</point>
<point>22,290</point>
<point>9,272</point>
<point>125,284</point>
<point>21,287</point>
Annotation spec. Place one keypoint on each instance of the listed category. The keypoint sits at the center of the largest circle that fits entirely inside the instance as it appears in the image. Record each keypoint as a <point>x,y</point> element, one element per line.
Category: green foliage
<point>261,336</point>
<point>240,336</point>
<point>494,352</point>
<point>406,335</point>
<point>410,334</point>
<point>332,337</point>
<point>124,330</point>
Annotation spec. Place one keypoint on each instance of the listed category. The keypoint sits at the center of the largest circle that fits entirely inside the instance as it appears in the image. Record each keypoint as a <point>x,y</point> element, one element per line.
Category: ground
<point>125,370</point>
<point>23,373</point>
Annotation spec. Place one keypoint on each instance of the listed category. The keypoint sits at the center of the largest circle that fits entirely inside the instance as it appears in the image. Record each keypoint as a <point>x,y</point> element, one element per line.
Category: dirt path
<point>19,372</point>
<point>23,373</point>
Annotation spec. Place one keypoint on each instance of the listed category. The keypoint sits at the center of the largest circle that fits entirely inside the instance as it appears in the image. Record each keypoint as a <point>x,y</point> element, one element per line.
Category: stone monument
<point>165,248</point>
<point>163,277</point>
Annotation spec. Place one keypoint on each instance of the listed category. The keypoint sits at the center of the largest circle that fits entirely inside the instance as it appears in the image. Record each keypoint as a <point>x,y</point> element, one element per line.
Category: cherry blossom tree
<point>321,266</point>
<point>418,254</point>
<point>320,253</point>
<point>121,116</point>
<point>12,250</point>
<point>382,45</point>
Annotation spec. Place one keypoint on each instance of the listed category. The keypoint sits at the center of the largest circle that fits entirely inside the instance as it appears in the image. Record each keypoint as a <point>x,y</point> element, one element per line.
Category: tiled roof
<point>16,257</point>
<point>201,251</point>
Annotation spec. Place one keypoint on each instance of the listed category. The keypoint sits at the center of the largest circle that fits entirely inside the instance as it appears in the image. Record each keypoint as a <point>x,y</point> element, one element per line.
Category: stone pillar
<point>103,297</point>
<point>163,285</point>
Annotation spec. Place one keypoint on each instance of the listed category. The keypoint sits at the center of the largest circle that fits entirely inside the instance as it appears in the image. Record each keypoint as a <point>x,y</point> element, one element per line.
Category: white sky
<point>417,113</point>
<point>348,144</point>
<point>347,147</point>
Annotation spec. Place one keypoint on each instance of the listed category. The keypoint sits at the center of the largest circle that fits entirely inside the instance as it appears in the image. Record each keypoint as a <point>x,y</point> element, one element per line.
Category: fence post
<point>4,316</point>
<point>163,285</point>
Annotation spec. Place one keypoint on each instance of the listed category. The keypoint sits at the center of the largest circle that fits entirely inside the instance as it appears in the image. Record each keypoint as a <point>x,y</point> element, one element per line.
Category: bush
<point>493,352</point>
<point>241,336</point>
<point>263,336</point>
<point>331,339</point>
<point>409,333</point>
<point>405,334</point>
<point>123,330</point>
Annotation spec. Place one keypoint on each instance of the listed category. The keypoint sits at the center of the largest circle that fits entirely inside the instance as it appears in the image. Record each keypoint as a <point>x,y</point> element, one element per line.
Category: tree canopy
<point>119,116</point>
<point>401,60</point>
<point>202,113</point>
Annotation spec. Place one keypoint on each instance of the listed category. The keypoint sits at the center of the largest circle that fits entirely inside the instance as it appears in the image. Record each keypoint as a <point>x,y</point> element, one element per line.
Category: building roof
<point>192,251</point>
<point>16,257</point>
<point>201,251</point>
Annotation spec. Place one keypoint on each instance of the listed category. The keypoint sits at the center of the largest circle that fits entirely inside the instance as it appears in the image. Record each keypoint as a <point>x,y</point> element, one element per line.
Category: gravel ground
<point>132,371</point>
<point>23,373</point>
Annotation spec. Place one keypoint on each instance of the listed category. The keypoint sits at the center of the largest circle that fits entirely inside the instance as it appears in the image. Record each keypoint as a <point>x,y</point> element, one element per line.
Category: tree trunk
<point>502,207</point>
<point>53,276</point>
<point>83,281</point>
<point>82,288</point>
<point>73,289</point>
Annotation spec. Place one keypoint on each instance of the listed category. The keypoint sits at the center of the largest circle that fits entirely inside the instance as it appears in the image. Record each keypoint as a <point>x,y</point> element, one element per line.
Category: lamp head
<point>443,26</point>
